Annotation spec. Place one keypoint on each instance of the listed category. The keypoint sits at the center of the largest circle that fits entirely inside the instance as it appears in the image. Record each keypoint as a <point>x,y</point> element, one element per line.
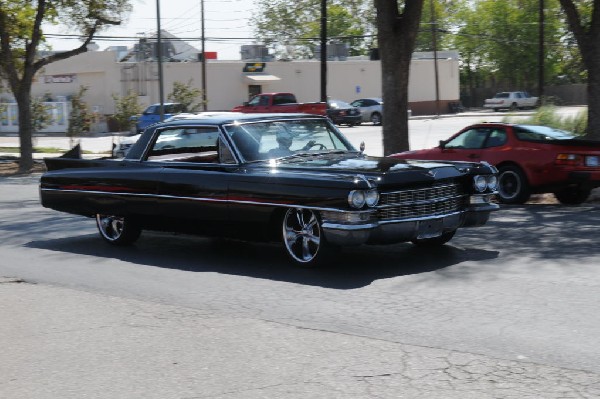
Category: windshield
<point>284,138</point>
<point>338,104</point>
<point>541,133</point>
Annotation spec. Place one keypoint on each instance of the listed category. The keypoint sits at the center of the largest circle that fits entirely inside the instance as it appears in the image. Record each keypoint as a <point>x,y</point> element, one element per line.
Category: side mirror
<point>245,103</point>
<point>362,146</point>
<point>442,144</point>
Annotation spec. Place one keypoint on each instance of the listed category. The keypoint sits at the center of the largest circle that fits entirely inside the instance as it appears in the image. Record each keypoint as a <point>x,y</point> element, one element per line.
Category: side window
<point>198,144</point>
<point>470,139</point>
<point>255,100</point>
<point>496,138</point>
<point>151,110</point>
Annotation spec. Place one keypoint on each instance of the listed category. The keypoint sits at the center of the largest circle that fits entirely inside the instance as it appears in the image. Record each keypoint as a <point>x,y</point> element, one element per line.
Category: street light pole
<point>323,50</point>
<point>203,59</point>
<point>160,69</point>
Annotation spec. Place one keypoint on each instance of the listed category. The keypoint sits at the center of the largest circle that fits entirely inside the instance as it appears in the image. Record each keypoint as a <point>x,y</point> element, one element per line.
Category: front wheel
<point>512,185</point>
<point>303,237</point>
<point>434,241</point>
<point>117,230</point>
<point>572,196</point>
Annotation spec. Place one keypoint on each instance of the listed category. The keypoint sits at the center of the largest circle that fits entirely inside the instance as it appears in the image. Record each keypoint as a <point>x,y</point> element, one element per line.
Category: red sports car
<point>530,159</point>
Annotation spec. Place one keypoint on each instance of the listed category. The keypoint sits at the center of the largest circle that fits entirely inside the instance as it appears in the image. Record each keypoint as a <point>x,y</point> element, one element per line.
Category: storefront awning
<point>257,79</point>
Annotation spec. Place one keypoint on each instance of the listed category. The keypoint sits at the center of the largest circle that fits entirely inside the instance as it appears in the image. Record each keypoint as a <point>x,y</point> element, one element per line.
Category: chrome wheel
<point>302,236</point>
<point>117,230</point>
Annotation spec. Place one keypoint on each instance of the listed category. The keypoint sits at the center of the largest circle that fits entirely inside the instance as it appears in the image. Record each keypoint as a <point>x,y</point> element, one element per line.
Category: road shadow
<point>351,268</point>
<point>556,233</point>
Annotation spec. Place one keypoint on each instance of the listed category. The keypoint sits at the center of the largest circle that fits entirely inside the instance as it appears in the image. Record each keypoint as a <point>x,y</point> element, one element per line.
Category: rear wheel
<point>117,230</point>
<point>434,241</point>
<point>572,195</point>
<point>376,118</point>
<point>303,237</point>
<point>512,185</point>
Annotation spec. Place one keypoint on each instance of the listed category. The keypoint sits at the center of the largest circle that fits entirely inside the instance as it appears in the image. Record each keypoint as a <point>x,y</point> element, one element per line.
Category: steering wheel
<point>311,144</point>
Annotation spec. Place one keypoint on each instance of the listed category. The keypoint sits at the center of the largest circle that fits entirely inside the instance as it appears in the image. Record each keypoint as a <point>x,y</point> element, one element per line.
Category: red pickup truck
<point>280,102</point>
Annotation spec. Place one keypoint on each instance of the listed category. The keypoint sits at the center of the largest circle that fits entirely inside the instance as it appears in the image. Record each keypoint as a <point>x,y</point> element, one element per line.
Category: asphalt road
<point>508,310</point>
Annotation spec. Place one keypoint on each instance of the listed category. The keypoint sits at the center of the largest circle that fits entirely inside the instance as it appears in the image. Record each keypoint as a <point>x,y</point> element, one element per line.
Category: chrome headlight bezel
<point>479,183</point>
<point>492,182</point>
<point>356,199</point>
<point>371,198</point>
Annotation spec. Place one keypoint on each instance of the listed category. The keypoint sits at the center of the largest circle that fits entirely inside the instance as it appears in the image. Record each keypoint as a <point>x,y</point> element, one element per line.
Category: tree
<point>292,27</point>
<point>186,95</point>
<point>21,36</point>
<point>125,108</point>
<point>583,18</point>
<point>397,35</point>
<point>80,118</point>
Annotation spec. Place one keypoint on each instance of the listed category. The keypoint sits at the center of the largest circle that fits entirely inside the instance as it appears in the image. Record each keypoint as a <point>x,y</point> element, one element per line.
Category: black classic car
<point>287,177</point>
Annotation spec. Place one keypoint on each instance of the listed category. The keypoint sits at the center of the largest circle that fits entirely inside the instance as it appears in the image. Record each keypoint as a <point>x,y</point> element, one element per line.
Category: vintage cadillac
<point>288,177</point>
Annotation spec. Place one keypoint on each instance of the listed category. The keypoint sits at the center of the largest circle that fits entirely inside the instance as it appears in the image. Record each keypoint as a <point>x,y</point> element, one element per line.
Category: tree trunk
<point>397,35</point>
<point>588,41</point>
<point>593,96</point>
<point>25,130</point>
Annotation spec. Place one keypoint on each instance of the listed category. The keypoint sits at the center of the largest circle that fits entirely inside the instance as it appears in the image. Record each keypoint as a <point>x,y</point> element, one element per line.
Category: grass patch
<point>547,115</point>
<point>41,150</point>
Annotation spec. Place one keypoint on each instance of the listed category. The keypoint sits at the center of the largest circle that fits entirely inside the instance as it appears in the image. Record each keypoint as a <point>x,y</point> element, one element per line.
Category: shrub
<point>548,116</point>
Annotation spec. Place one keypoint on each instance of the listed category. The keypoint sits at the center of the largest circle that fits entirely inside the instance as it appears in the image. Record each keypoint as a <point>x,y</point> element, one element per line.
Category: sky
<point>226,25</point>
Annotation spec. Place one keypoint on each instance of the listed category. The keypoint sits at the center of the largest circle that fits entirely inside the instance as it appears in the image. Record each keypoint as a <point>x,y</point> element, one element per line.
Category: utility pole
<point>160,69</point>
<point>541,55</point>
<point>323,50</point>
<point>435,58</point>
<point>204,101</point>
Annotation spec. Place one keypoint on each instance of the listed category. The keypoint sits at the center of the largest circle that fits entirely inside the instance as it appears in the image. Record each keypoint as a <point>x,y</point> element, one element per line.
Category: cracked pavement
<point>64,343</point>
<point>505,311</point>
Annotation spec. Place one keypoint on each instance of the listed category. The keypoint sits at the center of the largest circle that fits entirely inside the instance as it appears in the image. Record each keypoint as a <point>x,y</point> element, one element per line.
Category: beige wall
<point>227,87</point>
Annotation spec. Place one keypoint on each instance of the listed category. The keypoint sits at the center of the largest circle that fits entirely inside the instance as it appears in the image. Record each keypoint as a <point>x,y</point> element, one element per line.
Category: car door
<point>196,163</point>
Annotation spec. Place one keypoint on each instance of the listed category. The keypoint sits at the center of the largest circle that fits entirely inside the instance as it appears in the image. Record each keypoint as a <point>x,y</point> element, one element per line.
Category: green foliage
<point>80,118</point>
<point>292,28</point>
<point>499,43</point>
<point>125,108</point>
<point>41,114</point>
<point>548,116</point>
<point>186,95</point>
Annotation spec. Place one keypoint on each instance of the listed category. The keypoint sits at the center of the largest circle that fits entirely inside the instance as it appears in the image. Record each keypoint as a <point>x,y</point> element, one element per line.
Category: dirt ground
<point>11,168</point>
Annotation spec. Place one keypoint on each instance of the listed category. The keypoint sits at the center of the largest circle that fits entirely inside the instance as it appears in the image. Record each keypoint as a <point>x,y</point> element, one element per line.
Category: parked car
<point>371,109</point>
<point>512,100</point>
<point>123,144</point>
<point>530,159</point>
<point>234,179</point>
<point>151,114</point>
<point>342,113</point>
<point>280,102</point>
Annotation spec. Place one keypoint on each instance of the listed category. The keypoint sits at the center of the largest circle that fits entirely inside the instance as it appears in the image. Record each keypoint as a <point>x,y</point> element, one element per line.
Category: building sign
<point>60,78</point>
<point>255,67</point>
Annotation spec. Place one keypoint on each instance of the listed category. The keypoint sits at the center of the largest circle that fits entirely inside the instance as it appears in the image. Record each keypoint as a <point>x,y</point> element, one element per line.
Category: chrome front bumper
<point>393,231</point>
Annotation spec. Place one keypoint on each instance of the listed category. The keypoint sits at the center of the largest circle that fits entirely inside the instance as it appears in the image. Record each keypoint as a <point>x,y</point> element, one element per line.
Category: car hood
<point>382,170</point>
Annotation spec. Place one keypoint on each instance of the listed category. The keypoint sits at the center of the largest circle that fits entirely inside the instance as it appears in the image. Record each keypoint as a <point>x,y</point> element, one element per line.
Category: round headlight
<point>371,198</point>
<point>356,198</point>
<point>480,183</point>
<point>492,182</point>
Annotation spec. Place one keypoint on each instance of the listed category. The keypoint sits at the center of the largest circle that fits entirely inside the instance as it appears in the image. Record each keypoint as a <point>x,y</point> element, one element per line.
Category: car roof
<point>224,117</point>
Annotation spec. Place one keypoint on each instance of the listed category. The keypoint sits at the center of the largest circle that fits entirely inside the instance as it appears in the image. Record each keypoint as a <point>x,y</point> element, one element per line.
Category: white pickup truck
<point>511,100</point>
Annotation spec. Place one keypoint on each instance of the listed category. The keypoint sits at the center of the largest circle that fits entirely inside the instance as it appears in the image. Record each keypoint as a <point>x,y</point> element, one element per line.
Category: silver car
<point>371,109</point>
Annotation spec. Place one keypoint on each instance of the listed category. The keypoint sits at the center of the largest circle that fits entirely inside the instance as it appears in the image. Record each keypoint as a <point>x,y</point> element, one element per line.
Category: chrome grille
<point>422,202</point>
